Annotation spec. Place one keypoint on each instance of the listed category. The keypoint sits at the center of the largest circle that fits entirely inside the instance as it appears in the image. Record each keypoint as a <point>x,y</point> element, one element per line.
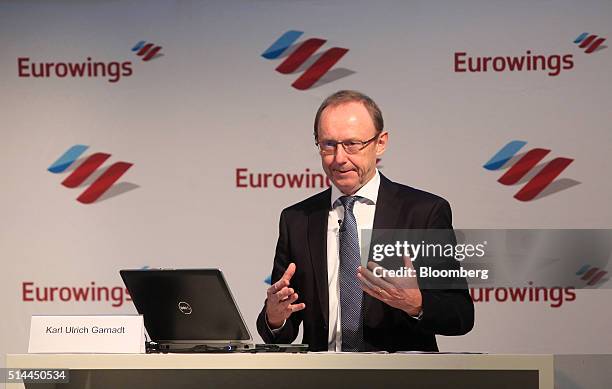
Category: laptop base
<point>164,348</point>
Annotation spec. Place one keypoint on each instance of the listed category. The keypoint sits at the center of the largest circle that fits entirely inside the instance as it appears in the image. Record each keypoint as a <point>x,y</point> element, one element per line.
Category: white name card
<point>112,334</point>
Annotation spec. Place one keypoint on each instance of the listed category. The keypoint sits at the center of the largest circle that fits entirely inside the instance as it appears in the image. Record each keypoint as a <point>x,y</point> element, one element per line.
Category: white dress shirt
<point>363,210</point>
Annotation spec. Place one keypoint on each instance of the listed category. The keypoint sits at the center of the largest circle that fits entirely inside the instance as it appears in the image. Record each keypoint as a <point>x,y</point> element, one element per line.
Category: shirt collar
<point>369,192</point>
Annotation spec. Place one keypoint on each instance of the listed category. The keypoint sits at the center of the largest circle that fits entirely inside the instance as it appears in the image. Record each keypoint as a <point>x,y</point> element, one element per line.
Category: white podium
<point>309,370</point>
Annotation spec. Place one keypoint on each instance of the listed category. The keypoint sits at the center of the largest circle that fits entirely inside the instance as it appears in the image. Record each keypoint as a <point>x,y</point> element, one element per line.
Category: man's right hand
<point>279,304</point>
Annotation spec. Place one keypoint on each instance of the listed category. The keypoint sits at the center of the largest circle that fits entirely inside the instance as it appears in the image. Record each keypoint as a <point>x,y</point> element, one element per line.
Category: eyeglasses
<point>328,147</point>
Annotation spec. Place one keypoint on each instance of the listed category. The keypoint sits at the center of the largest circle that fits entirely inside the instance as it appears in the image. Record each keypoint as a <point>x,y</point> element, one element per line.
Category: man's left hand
<point>399,292</point>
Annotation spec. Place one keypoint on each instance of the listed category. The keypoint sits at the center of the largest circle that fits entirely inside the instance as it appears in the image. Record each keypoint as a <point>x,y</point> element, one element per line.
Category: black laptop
<point>188,310</point>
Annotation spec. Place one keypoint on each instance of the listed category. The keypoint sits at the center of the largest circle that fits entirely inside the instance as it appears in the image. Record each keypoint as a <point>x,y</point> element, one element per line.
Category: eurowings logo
<point>592,275</point>
<point>529,61</point>
<point>300,57</point>
<point>520,171</point>
<point>88,67</point>
<point>147,51</point>
<point>590,43</point>
<point>102,181</point>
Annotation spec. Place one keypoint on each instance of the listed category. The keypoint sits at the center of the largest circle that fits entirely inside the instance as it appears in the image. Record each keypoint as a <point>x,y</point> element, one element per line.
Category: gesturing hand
<point>399,292</point>
<point>279,304</point>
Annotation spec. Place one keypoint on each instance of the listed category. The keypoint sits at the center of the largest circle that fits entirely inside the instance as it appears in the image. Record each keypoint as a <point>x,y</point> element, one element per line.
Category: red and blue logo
<point>589,42</point>
<point>302,58</point>
<point>592,275</point>
<point>103,180</point>
<point>527,164</point>
<point>147,51</point>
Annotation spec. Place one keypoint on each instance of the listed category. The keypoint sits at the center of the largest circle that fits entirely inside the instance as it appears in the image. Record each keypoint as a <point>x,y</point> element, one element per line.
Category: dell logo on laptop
<point>185,308</point>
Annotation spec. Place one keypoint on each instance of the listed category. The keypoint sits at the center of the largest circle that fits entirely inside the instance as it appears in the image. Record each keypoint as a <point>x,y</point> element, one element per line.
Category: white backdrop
<point>211,104</point>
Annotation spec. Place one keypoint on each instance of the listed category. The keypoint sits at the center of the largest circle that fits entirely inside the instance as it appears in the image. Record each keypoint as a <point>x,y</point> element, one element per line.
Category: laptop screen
<point>186,305</point>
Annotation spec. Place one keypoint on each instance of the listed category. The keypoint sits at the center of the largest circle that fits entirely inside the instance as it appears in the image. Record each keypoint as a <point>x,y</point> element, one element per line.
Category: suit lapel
<point>317,244</point>
<point>387,212</point>
<point>386,216</point>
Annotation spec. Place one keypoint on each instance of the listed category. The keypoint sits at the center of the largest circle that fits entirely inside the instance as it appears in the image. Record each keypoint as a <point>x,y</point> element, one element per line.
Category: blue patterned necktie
<point>351,295</point>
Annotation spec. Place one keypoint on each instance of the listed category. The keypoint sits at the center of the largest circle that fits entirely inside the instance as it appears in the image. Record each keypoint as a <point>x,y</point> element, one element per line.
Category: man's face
<point>350,122</point>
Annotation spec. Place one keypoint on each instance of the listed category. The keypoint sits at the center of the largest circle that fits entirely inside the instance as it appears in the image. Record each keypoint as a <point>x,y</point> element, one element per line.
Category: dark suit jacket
<point>303,240</point>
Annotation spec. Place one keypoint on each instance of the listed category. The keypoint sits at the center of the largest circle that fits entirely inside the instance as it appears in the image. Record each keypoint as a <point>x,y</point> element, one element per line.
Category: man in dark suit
<point>317,278</point>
